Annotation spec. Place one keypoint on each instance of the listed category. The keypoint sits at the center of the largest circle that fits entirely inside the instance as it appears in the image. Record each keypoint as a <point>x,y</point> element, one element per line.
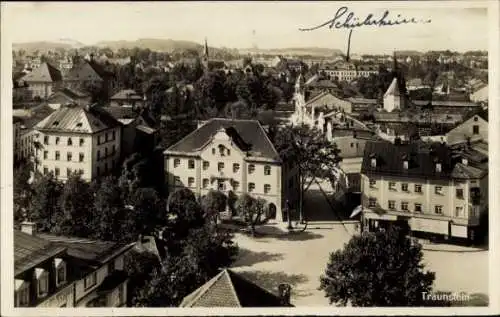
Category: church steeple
<point>205,52</point>
<point>204,59</point>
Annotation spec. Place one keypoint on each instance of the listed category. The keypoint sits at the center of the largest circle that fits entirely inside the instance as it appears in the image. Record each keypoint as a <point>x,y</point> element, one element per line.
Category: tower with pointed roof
<point>205,57</point>
<point>394,97</point>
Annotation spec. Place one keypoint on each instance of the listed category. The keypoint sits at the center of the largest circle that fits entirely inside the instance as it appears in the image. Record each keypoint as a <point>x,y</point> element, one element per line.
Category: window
<point>191,164</point>
<point>236,185</point>
<point>121,294</point>
<point>404,206</point>
<point>57,171</point>
<point>267,170</point>
<point>23,295</point>
<point>98,155</point>
<point>177,162</point>
<point>392,204</point>
<point>45,170</point>
<point>372,202</point>
<point>267,188</point>
<point>113,135</point>
<point>113,150</point>
<point>46,140</point>
<point>57,155</point>
<point>206,164</point>
<point>82,156</point>
<point>404,187</point>
<point>213,151</point>
<point>460,193</point>
<point>57,140</point>
<point>45,155</point>
<point>220,166</point>
<point>221,185</point>
<point>177,180</point>
<point>251,168</point>
<point>98,170</point>
<point>475,129</point>
<point>42,277</point>
<point>68,172</point>
<point>438,209</point>
<point>236,167</point>
<point>228,152</point>
<point>60,266</point>
<point>372,183</point>
<point>418,188</point>
<point>99,140</point>
<point>205,182</point>
<point>352,144</point>
<point>90,280</point>
<point>70,142</point>
<point>190,181</point>
<point>459,211</point>
<point>392,186</point>
<point>438,190</point>
<point>80,171</point>
<point>221,150</point>
<point>82,141</point>
<point>111,266</point>
<point>418,207</point>
<point>69,156</point>
<point>106,152</point>
<point>107,137</point>
<point>251,187</point>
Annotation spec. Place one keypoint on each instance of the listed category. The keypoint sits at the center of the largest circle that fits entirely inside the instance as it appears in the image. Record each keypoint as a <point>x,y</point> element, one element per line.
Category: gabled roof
<point>228,289</point>
<point>77,119</point>
<point>462,171</point>
<point>86,71</point>
<point>244,133</point>
<point>46,73</point>
<point>393,89</point>
<point>30,251</point>
<point>85,249</point>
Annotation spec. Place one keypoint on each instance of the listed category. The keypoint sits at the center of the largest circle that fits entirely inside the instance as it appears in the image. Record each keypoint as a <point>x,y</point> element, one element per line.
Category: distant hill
<point>160,45</point>
<point>45,46</point>
<point>313,51</point>
<point>408,53</point>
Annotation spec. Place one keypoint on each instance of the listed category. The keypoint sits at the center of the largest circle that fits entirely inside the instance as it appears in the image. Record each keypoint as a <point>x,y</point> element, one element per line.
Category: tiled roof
<point>421,158</point>
<point>393,89</point>
<point>46,73</point>
<point>363,100</point>
<point>323,83</point>
<point>77,119</point>
<point>30,251</point>
<point>121,112</point>
<point>462,171</point>
<point>126,94</point>
<point>228,289</point>
<point>445,103</point>
<point>245,133</point>
<point>86,249</point>
<point>86,71</point>
<point>35,115</point>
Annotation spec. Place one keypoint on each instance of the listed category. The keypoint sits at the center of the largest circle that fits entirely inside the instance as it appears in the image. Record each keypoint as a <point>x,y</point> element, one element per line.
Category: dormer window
<point>60,267</point>
<point>438,167</point>
<point>22,290</point>
<point>42,278</point>
<point>79,125</point>
<point>373,160</point>
<point>465,161</point>
<point>56,123</point>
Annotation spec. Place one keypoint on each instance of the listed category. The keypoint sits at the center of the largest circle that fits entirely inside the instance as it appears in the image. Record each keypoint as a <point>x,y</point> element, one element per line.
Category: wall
<point>99,165</point>
<point>63,297</point>
<point>80,290</point>
<point>461,132</point>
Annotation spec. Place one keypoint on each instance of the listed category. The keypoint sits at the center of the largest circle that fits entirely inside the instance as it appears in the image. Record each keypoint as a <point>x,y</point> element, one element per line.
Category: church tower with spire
<point>395,97</point>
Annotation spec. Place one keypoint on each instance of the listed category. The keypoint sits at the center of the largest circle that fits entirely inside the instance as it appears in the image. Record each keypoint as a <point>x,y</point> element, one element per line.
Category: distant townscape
<point>161,173</point>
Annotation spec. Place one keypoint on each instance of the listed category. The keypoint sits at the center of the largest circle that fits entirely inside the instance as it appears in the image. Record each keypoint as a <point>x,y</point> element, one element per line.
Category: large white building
<point>231,155</point>
<point>78,139</point>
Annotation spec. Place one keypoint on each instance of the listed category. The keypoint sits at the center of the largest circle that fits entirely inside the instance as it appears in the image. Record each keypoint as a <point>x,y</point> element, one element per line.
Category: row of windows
<point>69,171</point>
<point>221,165</point>
<point>438,190</point>
<point>222,185</point>
<point>81,157</point>
<point>438,209</point>
<point>69,142</point>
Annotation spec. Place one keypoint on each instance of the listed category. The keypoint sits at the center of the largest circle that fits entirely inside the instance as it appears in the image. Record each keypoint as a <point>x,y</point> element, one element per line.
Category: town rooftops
<point>248,135</point>
<point>86,71</point>
<point>228,289</point>
<point>46,73</point>
<point>30,251</point>
<point>77,119</point>
<point>445,103</point>
<point>422,161</point>
<point>126,94</point>
<point>356,100</point>
<point>91,251</point>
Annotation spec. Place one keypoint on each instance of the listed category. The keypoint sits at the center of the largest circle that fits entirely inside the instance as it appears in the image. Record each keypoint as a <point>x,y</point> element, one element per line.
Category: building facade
<point>473,129</point>
<point>231,155</point>
<point>42,81</point>
<point>57,272</point>
<point>430,190</point>
<point>78,139</point>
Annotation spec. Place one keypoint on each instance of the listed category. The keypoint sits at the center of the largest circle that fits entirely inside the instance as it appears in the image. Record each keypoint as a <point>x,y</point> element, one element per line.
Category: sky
<point>245,24</point>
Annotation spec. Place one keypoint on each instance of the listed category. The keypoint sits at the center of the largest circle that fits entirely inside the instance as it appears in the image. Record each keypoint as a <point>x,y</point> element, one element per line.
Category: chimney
<point>28,227</point>
<point>438,167</point>
<point>284,291</point>
<point>465,161</point>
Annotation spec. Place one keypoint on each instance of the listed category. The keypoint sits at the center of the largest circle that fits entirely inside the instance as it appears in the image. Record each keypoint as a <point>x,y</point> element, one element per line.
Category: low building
<point>429,189</point>
<point>327,102</point>
<point>53,271</point>
<point>438,106</point>
<point>67,96</point>
<point>231,155</point>
<point>475,128</point>
<point>42,81</point>
<point>480,95</point>
<point>229,289</point>
<point>127,97</point>
<point>341,70</point>
<point>78,139</point>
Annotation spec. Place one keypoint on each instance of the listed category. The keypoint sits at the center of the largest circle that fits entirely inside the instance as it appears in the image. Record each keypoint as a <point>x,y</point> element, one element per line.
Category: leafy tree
<point>377,269</point>
<point>109,211</point>
<point>311,153</point>
<point>252,211</point>
<point>149,210</point>
<point>22,190</point>
<point>139,267</point>
<point>213,203</point>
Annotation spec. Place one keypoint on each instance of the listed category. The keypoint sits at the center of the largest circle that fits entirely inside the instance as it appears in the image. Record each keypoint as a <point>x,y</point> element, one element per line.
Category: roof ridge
<point>205,287</point>
<point>233,289</point>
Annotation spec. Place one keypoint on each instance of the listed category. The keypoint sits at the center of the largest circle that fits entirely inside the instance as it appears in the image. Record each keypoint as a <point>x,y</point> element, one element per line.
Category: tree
<point>311,153</point>
<point>377,269</point>
<point>149,210</point>
<point>109,213</point>
<point>251,210</point>
<point>139,267</point>
<point>213,203</point>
